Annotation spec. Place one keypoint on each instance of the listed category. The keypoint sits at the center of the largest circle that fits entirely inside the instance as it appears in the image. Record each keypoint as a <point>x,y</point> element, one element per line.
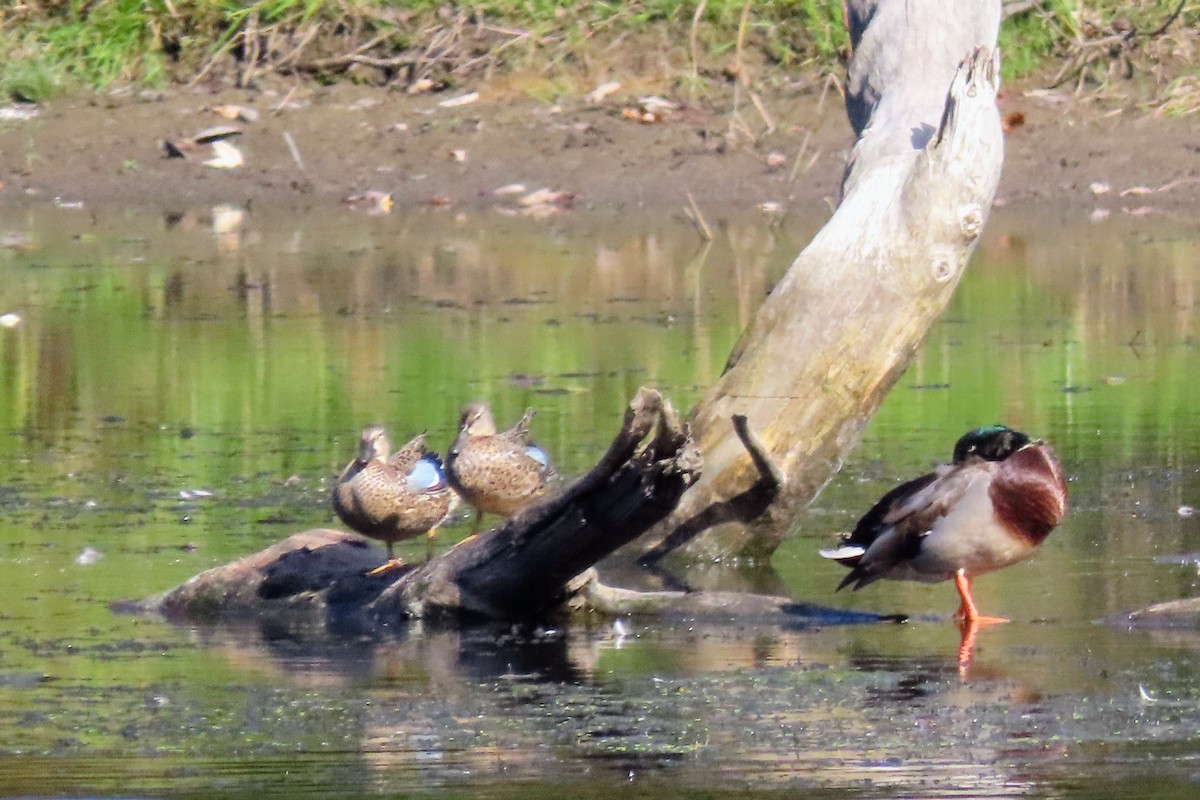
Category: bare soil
<point>1073,154</point>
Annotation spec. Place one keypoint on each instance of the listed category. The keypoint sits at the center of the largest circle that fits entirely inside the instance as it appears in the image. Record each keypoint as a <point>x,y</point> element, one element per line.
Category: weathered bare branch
<point>839,329</point>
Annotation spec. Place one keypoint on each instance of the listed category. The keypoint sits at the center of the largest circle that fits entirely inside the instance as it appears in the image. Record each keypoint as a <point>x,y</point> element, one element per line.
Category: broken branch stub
<point>842,325</point>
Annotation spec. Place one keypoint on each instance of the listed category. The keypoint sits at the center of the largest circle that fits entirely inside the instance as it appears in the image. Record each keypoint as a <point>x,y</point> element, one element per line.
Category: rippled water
<point>183,385</point>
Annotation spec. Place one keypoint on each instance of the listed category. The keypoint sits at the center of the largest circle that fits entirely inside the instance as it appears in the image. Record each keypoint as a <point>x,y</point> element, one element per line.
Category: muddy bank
<point>346,140</point>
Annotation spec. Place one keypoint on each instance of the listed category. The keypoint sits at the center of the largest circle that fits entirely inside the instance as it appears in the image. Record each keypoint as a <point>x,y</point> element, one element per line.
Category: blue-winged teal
<point>496,473</point>
<point>990,508</point>
<point>393,497</point>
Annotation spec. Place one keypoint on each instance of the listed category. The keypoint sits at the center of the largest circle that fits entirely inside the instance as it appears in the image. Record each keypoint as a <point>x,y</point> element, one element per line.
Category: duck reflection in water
<point>990,508</point>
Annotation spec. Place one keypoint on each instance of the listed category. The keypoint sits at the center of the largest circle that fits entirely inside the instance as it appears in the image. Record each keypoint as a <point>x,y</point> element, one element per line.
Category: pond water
<point>183,385</point>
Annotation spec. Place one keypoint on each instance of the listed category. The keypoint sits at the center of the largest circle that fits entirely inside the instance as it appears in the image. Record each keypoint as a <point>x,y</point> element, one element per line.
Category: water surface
<point>184,385</point>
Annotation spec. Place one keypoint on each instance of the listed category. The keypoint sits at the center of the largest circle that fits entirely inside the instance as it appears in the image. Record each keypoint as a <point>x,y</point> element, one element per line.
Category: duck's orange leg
<point>967,612</point>
<point>388,566</point>
<point>391,564</point>
<point>429,543</point>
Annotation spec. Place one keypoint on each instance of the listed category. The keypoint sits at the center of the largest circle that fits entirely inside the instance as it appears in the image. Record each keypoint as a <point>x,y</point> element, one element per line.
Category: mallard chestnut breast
<point>992,507</point>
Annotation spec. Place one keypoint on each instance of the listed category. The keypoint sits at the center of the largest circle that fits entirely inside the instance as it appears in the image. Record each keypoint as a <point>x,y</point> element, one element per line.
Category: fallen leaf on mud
<point>10,320</point>
<point>543,203</point>
<point>602,91</point>
<point>179,148</point>
<point>1136,191</point>
<point>545,197</point>
<point>1011,121</point>
<point>217,133</point>
<point>1099,187</point>
<point>650,109</point>
<point>461,100</point>
<point>184,148</point>
<point>374,202</point>
<point>236,113</point>
<point>421,85</point>
<point>225,156</point>
<point>510,188</point>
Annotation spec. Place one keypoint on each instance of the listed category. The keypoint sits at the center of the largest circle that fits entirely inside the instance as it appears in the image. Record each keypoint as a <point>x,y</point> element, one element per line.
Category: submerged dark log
<point>1173,614</point>
<point>519,570</point>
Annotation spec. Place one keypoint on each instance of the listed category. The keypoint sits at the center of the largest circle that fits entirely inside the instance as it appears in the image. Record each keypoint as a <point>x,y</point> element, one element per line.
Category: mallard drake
<point>990,508</point>
<point>496,473</point>
<point>392,497</point>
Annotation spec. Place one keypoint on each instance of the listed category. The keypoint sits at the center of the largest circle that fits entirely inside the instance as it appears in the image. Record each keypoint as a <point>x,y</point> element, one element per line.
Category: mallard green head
<point>990,442</point>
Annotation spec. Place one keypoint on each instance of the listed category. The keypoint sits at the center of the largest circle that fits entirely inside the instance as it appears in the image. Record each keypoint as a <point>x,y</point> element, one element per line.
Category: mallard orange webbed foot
<point>394,563</point>
<point>968,613</point>
<point>391,565</point>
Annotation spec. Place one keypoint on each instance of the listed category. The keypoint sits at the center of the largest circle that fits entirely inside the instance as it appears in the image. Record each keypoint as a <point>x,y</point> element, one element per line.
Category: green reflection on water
<point>240,355</point>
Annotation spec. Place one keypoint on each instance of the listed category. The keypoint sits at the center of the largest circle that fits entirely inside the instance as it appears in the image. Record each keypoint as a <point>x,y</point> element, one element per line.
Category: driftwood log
<point>842,325</point>
<point>831,340</point>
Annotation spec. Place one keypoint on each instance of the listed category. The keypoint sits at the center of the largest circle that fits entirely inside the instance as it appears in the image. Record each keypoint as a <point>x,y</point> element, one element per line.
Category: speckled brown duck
<point>392,497</point>
<point>496,473</point>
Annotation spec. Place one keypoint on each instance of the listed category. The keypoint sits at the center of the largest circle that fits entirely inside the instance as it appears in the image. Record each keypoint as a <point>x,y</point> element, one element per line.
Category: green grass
<point>94,43</point>
<point>1067,30</point>
<point>50,45</point>
<point>1027,40</point>
<point>151,42</point>
<point>29,80</point>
